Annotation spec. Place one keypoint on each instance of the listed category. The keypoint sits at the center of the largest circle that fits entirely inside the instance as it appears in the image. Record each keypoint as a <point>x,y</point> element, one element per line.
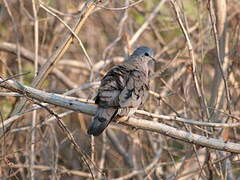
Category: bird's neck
<point>139,65</point>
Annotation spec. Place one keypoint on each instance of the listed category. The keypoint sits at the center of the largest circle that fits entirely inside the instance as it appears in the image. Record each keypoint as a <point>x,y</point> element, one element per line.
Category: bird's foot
<point>125,118</point>
<point>122,119</point>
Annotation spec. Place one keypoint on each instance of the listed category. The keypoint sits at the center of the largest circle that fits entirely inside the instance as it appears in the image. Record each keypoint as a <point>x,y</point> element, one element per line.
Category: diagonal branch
<point>61,49</point>
<point>73,104</point>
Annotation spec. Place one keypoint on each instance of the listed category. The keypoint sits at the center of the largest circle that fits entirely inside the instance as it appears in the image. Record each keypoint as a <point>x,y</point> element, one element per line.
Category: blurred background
<point>110,33</point>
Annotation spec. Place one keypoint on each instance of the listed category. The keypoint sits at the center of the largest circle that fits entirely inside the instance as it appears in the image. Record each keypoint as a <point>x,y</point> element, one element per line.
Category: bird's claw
<point>122,119</point>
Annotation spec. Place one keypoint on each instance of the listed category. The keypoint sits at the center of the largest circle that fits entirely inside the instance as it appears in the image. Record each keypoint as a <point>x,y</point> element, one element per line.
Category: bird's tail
<point>101,120</point>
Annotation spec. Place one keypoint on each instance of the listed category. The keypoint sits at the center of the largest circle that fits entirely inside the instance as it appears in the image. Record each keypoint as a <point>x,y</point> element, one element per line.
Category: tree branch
<point>74,104</point>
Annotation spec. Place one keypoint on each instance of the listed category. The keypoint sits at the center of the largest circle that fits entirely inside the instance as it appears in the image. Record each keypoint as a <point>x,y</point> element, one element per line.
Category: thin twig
<point>70,137</point>
<point>216,38</point>
<point>34,115</point>
<point>27,54</point>
<point>120,8</point>
<point>194,65</point>
<point>89,61</point>
<point>17,39</point>
<point>61,170</point>
<point>146,23</point>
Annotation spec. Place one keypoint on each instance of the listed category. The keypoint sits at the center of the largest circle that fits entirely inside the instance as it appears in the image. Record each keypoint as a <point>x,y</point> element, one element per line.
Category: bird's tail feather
<point>101,120</point>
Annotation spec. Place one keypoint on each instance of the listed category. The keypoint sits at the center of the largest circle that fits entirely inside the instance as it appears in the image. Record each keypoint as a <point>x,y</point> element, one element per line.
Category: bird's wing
<point>135,91</point>
<point>111,86</point>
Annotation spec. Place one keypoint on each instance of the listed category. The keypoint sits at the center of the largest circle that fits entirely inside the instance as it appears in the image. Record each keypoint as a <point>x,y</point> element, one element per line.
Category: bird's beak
<point>153,59</point>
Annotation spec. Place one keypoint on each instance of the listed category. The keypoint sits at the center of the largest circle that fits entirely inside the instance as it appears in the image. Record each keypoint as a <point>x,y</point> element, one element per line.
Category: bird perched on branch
<point>123,89</point>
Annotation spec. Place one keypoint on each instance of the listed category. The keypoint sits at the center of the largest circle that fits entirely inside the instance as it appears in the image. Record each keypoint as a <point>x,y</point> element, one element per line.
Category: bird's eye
<point>146,54</point>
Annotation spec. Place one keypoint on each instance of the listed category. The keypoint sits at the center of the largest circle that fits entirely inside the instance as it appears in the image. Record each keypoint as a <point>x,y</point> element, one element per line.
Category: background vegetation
<point>196,77</point>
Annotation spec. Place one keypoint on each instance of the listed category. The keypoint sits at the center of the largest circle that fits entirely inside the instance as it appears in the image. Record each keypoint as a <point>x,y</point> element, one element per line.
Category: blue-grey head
<point>144,53</point>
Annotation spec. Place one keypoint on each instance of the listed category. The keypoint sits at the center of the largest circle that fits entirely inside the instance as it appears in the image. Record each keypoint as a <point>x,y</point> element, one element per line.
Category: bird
<point>122,90</point>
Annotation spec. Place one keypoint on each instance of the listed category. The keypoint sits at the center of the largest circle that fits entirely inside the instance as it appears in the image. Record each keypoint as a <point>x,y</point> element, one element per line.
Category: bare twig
<point>89,61</point>
<point>62,170</point>
<point>194,65</point>
<point>34,115</point>
<point>120,8</point>
<point>120,149</point>
<point>10,47</point>
<point>17,39</point>
<point>150,167</point>
<point>120,32</point>
<point>146,23</point>
<point>221,55</point>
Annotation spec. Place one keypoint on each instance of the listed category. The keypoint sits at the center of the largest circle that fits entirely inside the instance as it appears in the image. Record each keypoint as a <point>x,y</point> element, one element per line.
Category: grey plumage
<point>123,88</point>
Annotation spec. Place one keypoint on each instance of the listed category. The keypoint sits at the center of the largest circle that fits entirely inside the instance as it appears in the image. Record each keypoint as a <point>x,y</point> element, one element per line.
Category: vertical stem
<point>17,40</point>
<point>34,117</point>
<point>185,31</point>
<point>33,135</point>
<point>36,37</point>
<point>219,29</point>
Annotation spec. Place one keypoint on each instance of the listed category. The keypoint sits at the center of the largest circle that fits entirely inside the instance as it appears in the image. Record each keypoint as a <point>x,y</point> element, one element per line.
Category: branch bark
<point>73,104</point>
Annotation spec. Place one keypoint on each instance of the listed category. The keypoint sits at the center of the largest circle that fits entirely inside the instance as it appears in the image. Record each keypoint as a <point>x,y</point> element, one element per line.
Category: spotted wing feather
<point>135,91</point>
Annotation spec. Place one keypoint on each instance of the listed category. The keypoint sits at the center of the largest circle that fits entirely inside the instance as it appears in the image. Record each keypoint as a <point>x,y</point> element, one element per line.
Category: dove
<point>124,88</point>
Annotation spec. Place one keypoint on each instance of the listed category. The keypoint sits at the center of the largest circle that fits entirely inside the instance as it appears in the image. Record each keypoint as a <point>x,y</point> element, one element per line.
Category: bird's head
<point>143,53</point>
